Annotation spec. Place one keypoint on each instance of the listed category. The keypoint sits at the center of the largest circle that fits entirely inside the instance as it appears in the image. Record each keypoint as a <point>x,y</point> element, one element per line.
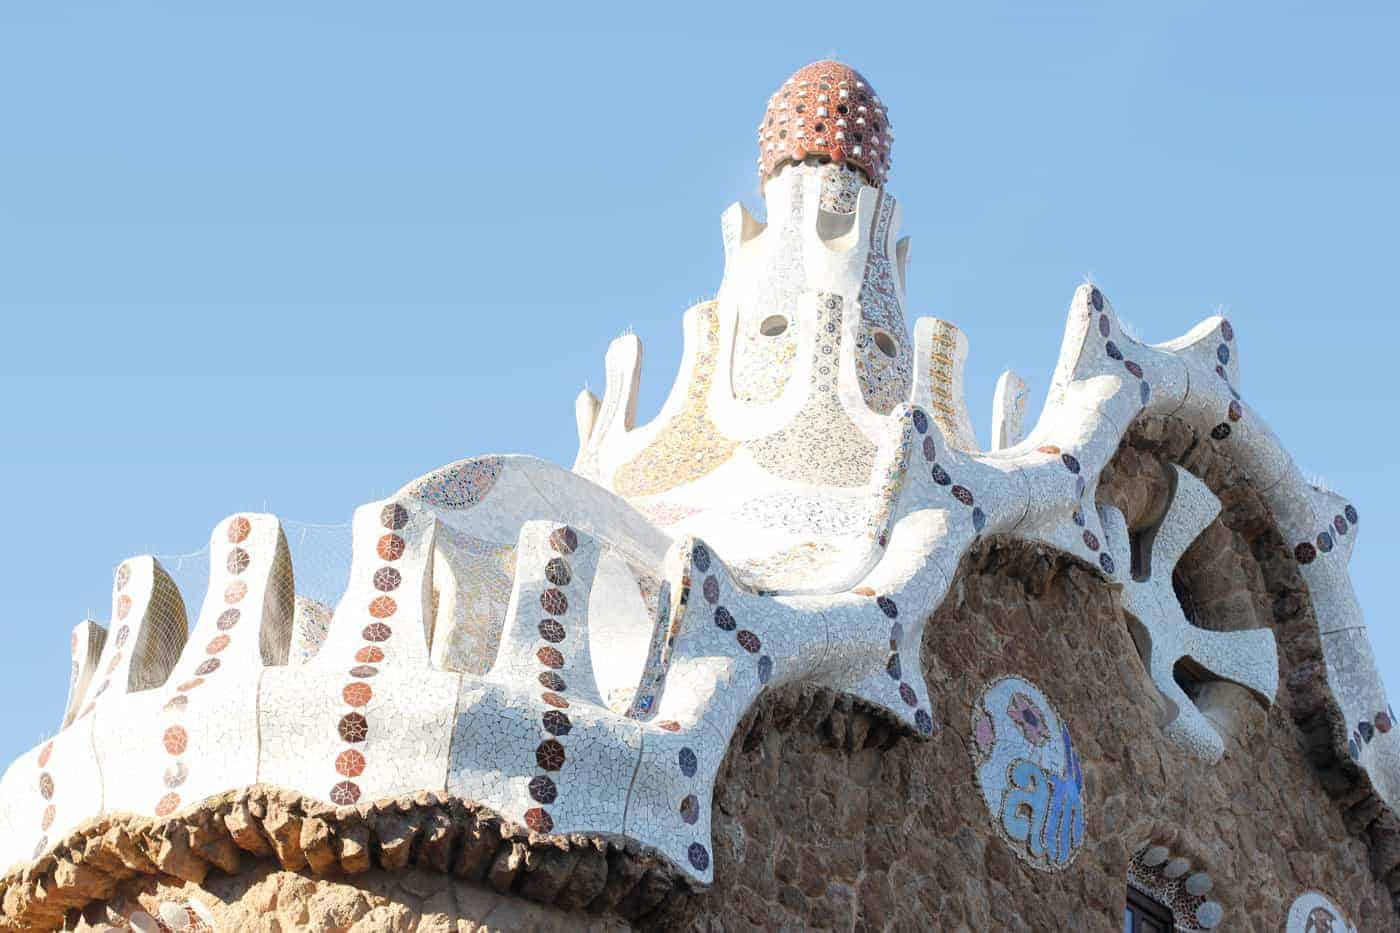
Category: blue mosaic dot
<point>920,421</point>
<point>893,668</point>
<point>699,856</point>
<point>688,762</point>
<point>1368,731</point>
<point>724,619</point>
<point>887,606</point>
<point>940,475</point>
<point>701,556</point>
<point>765,669</point>
<point>1112,350</point>
<point>1078,518</point>
<point>896,632</point>
<point>1222,353</point>
<point>924,721</point>
<point>1146,391</point>
<point>1324,542</point>
<point>979,519</point>
<point>1351,514</point>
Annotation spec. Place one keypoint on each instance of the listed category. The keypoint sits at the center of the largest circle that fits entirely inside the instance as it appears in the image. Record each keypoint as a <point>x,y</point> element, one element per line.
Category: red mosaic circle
<point>353,727</point>
<point>228,619</point>
<point>216,644</point>
<point>557,571</point>
<point>1133,368</point>
<point>962,494</point>
<point>550,755</point>
<point>543,789</point>
<point>670,725</point>
<point>1103,325</point>
<point>363,670</point>
<point>369,655</point>
<point>554,700</point>
<point>235,591</point>
<point>554,602</point>
<point>350,763</point>
<point>239,529</point>
<point>552,681</point>
<point>537,819</point>
<point>1226,330</point>
<point>1235,411</point>
<point>168,804</point>
<point>238,560</point>
<point>930,449</point>
<point>1305,553</point>
<point>1050,449</point>
<point>387,579</point>
<point>1383,724</point>
<point>189,685</point>
<point>123,606</point>
<point>175,740</point>
<point>906,693</point>
<point>382,607</point>
<point>175,775</point>
<point>45,754</point>
<point>390,547</point>
<point>46,786</point>
<point>122,634</point>
<point>393,516</point>
<point>552,631</point>
<point>748,641</point>
<point>345,793</point>
<point>357,693</point>
<point>49,813</point>
<point>207,667</point>
<point>1091,540</point>
<point>550,657</point>
<point>1340,524</point>
<point>177,704</point>
<point>377,631</point>
<point>564,540</point>
<point>710,589</point>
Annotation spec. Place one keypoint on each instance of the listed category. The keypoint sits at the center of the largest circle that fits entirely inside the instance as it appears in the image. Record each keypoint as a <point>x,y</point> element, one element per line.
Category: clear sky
<point>290,256</point>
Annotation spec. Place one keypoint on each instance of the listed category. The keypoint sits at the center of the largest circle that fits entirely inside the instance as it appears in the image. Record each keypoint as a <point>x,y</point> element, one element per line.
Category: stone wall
<point>826,816</point>
<point>823,819</point>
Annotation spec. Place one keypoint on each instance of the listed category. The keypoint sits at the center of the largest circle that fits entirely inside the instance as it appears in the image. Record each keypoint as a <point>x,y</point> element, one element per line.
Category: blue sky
<point>290,256</point>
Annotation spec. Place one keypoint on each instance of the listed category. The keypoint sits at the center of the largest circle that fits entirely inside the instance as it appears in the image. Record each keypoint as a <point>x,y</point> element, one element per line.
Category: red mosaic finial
<point>826,109</point>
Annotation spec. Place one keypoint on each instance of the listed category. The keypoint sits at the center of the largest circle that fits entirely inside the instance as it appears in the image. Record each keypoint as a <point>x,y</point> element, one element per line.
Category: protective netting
<point>320,558</point>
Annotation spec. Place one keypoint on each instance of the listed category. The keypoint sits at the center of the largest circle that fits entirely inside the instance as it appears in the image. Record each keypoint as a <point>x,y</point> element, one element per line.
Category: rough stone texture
<point>824,820</point>
<point>827,815</point>
<point>270,899</point>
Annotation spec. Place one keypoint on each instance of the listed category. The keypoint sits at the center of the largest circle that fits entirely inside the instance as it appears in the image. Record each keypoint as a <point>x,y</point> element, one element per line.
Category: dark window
<point>1144,915</point>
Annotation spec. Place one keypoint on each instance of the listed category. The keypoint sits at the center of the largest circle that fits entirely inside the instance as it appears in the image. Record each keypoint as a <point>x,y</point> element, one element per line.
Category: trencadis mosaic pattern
<point>574,649</point>
<point>1171,880</point>
<point>1029,773</point>
<point>1315,912</point>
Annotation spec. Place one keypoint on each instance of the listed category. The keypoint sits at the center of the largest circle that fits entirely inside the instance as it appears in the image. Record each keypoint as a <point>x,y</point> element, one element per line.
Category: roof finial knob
<point>826,109</point>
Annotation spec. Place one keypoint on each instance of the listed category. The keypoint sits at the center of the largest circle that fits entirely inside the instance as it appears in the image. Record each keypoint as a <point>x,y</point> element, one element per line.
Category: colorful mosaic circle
<point>1029,773</point>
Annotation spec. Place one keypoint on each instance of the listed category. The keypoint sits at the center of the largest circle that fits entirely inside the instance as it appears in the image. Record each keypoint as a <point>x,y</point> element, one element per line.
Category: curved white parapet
<point>577,654</point>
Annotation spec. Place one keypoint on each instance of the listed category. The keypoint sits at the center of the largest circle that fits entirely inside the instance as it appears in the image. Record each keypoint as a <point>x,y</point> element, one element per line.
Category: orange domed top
<point>826,109</point>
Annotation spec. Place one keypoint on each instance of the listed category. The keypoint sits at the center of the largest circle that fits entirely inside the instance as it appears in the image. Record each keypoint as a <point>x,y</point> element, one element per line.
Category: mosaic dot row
<point>176,739</point>
<point>353,726</point>
<point>550,754</point>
